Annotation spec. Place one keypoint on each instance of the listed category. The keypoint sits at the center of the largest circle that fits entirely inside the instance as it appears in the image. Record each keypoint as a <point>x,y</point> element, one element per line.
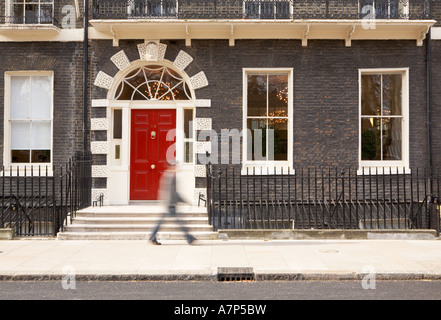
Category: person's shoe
<point>155,242</point>
<point>190,239</point>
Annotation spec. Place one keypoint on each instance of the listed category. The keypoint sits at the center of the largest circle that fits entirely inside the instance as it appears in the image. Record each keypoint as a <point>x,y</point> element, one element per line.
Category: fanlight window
<point>153,83</point>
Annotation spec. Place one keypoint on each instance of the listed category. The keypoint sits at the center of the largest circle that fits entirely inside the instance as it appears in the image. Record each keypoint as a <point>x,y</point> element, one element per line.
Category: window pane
<point>188,152</point>
<point>282,10</point>
<point>169,7</point>
<point>267,10</point>
<point>20,135</point>
<point>381,9</point>
<point>41,97</point>
<point>41,135</point>
<point>252,9</point>
<point>41,156</point>
<point>392,94</point>
<point>20,156</point>
<point>46,14</point>
<point>371,94</point>
<point>392,132</point>
<point>280,136</point>
<point>20,97</point>
<point>18,13</point>
<point>257,95</point>
<point>370,139</point>
<point>188,123</point>
<point>278,95</point>
<point>117,124</point>
<point>31,13</point>
<point>256,148</point>
<point>154,7</point>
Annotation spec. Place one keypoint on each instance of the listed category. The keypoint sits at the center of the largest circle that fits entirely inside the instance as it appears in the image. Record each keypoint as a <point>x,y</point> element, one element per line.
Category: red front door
<point>148,150</point>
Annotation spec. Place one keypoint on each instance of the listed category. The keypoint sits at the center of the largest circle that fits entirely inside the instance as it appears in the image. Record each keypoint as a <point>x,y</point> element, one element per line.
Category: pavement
<point>311,259</point>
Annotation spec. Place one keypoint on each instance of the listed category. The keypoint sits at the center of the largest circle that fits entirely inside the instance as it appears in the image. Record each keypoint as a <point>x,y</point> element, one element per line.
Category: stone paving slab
<point>176,260</point>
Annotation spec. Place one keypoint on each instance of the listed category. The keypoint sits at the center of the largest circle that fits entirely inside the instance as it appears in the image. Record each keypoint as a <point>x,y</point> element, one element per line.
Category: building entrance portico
<point>150,111</point>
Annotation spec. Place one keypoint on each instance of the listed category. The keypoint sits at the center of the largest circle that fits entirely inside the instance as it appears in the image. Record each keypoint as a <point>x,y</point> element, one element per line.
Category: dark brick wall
<point>325,88</point>
<point>436,11</point>
<point>65,60</point>
<point>436,101</point>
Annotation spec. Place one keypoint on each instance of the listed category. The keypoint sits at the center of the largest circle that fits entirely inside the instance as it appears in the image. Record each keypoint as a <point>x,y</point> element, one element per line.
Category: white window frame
<point>7,161</point>
<point>10,11</point>
<point>267,167</point>
<point>387,166</point>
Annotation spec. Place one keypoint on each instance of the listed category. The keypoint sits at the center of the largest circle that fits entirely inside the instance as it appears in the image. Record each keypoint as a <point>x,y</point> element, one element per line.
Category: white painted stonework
<point>120,60</point>
<point>203,147</point>
<point>103,80</point>
<point>99,147</point>
<point>117,171</point>
<point>100,171</point>
<point>203,124</point>
<point>99,124</point>
<point>199,80</point>
<point>183,60</point>
<point>200,171</point>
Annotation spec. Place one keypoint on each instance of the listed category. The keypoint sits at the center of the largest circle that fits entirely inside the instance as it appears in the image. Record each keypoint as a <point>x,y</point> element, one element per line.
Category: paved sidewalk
<point>176,260</point>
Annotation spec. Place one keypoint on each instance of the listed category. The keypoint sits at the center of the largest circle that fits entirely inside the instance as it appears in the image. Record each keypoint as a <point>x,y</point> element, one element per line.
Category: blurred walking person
<point>169,195</point>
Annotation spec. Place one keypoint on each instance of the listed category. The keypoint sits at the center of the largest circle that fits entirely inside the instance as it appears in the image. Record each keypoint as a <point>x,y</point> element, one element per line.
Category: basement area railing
<point>322,199</point>
<point>39,202</point>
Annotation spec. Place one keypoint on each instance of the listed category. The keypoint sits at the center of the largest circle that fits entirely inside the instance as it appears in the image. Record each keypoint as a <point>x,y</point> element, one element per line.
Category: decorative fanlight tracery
<point>153,82</point>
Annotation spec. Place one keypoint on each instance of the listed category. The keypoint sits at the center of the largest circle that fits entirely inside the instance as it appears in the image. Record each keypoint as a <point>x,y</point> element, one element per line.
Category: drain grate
<point>235,274</point>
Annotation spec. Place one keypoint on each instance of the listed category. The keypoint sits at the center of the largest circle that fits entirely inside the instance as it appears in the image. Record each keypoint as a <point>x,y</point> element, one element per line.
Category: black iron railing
<point>262,9</point>
<point>38,202</point>
<point>322,199</point>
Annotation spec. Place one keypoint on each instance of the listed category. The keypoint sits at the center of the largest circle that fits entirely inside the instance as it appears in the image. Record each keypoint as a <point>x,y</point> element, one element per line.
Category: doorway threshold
<point>144,202</point>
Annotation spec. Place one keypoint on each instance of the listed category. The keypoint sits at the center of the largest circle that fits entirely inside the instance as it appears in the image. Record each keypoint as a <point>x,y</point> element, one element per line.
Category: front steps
<point>136,222</point>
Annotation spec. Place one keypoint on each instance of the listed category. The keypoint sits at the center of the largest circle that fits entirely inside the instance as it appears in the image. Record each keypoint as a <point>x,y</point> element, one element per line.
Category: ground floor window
<point>383,117</point>
<point>28,118</point>
<point>267,113</point>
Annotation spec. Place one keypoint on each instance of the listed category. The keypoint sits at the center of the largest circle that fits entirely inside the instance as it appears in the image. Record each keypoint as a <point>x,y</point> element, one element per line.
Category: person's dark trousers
<point>172,214</point>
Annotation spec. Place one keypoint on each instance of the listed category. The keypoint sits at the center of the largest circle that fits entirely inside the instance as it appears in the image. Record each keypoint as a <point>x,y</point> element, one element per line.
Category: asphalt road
<point>69,289</point>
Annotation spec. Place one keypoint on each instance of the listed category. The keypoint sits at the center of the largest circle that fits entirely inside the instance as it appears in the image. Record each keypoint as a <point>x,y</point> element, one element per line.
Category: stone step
<point>162,235</point>
<point>136,214</point>
<point>139,211</point>
<point>136,220</point>
<point>134,227</point>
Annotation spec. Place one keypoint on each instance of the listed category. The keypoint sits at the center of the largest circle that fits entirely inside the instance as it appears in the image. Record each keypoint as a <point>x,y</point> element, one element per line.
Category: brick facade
<point>326,106</point>
<point>65,60</point>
